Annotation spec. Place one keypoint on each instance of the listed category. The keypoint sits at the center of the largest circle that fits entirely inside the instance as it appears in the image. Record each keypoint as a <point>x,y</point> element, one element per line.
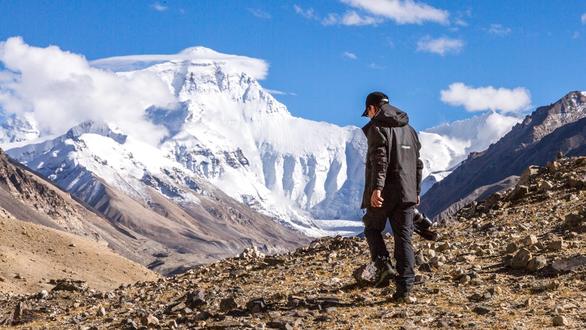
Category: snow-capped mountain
<point>15,129</point>
<point>176,218</point>
<point>549,130</point>
<point>226,129</point>
<point>445,146</point>
<point>236,134</point>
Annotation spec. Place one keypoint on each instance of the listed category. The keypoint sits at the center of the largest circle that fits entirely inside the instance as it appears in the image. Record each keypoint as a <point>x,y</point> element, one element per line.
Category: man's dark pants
<point>401,219</point>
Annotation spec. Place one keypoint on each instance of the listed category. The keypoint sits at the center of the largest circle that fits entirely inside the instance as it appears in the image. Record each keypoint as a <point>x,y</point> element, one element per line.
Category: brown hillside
<point>32,255</point>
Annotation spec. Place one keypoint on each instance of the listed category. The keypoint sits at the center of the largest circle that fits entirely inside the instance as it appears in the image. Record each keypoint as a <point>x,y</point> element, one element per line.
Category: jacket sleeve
<point>419,164</point>
<point>377,152</point>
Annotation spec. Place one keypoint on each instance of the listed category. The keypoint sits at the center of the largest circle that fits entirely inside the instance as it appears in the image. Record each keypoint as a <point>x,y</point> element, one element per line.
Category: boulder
<point>536,263</point>
<point>521,259</point>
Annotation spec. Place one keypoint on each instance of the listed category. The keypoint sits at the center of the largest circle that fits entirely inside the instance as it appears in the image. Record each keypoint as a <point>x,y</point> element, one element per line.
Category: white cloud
<point>278,92</point>
<point>373,12</point>
<point>460,18</point>
<point>441,46</point>
<point>259,13</point>
<point>350,55</point>
<point>256,68</point>
<point>499,30</point>
<point>351,18</point>
<point>487,98</point>
<point>159,7</point>
<point>401,11</point>
<point>460,22</point>
<point>60,89</point>
<point>583,18</point>
<point>376,66</point>
<point>306,13</point>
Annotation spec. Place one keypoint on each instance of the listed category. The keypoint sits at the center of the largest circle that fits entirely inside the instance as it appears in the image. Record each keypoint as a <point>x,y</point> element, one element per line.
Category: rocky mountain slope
<point>165,236</point>
<point>32,256</point>
<point>29,197</point>
<point>517,260</point>
<point>547,131</point>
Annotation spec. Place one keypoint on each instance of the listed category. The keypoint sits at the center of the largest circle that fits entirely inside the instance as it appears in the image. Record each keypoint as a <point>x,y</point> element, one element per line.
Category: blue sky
<point>327,55</point>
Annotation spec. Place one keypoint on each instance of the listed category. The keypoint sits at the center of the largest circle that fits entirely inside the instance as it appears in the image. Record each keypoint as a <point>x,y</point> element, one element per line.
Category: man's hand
<point>375,199</point>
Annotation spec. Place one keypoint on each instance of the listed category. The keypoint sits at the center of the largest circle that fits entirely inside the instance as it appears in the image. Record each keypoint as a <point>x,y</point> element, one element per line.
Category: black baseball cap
<point>376,99</point>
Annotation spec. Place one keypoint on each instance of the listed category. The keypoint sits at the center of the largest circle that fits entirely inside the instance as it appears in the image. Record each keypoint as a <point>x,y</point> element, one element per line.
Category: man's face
<point>371,111</point>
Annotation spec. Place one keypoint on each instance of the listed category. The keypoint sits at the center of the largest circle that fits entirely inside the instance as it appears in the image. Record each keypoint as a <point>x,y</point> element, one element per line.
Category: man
<point>392,187</point>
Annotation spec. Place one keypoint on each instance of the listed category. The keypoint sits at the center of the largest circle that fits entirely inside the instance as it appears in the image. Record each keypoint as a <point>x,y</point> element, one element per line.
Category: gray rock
<point>529,240</point>
<point>43,294</point>
<point>481,310</point>
<point>69,285</point>
<point>101,312</point>
<point>257,305</point>
<point>228,304</point>
<point>150,320</point>
<point>196,299</point>
<point>365,274</point>
<point>569,264</point>
<point>521,259</point>
<point>536,263</point>
<point>556,245</point>
<point>559,321</point>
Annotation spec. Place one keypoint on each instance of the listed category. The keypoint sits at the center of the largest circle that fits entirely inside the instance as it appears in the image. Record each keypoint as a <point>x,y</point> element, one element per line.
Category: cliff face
<point>551,129</point>
<point>515,260</point>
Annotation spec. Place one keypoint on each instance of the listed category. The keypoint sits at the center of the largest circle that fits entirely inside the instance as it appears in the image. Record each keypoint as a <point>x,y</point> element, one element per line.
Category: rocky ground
<point>515,261</point>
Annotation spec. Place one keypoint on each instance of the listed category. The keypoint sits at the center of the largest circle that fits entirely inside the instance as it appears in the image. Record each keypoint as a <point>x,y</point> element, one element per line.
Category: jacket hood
<point>388,116</point>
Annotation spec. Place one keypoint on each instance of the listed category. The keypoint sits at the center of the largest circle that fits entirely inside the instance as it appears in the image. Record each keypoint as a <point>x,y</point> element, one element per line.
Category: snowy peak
<point>15,128</point>
<point>445,146</point>
<point>211,83</point>
<point>96,127</point>
<point>255,68</point>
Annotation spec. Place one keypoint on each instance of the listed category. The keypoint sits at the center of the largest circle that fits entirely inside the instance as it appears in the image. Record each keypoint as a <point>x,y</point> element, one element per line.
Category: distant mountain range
<point>234,170</point>
<point>157,233</point>
<point>229,131</point>
<point>556,128</point>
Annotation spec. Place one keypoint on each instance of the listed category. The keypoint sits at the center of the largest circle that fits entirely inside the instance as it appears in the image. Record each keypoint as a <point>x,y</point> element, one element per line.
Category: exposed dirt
<point>32,255</point>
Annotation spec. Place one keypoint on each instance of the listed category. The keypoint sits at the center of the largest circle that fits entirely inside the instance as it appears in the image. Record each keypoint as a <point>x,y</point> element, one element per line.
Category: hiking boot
<point>385,272</point>
<point>403,297</point>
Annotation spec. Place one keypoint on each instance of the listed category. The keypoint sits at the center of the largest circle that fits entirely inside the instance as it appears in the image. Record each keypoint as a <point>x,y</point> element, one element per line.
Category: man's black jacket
<point>392,161</point>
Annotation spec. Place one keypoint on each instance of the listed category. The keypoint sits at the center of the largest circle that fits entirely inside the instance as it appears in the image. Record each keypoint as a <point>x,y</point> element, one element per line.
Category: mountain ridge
<point>511,154</point>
